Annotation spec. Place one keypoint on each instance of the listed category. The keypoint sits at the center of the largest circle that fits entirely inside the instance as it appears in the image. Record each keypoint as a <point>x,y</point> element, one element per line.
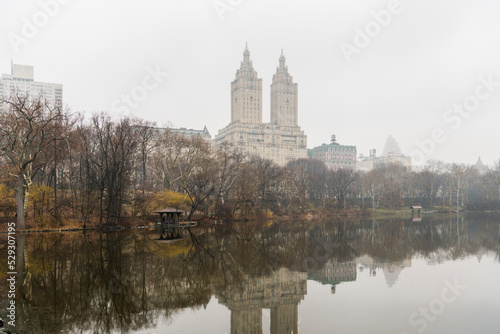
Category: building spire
<point>246,54</point>
<point>282,60</point>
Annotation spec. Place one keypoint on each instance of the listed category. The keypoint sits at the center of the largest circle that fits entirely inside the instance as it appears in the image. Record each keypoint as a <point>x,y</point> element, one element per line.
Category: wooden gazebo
<point>415,207</point>
<point>170,221</point>
<point>170,215</point>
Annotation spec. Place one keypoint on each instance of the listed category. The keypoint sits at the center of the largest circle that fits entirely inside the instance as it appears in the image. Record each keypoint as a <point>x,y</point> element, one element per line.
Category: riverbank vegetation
<point>60,168</point>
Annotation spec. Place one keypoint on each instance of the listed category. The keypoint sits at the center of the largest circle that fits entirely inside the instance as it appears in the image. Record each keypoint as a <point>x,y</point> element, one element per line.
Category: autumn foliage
<point>168,198</point>
<point>7,201</point>
<point>99,171</point>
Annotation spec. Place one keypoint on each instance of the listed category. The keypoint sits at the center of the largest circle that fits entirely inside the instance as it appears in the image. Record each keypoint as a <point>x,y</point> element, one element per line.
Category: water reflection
<point>126,281</point>
<point>334,273</point>
<point>391,270</point>
<point>280,292</point>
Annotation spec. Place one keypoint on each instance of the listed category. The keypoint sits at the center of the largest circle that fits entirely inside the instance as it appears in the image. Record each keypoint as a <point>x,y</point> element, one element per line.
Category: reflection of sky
<point>214,319</point>
<point>369,305</point>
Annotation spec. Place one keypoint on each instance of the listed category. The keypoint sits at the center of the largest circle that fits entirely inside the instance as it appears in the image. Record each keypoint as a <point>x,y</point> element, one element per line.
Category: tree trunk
<point>56,210</point>
<point>21,224</point>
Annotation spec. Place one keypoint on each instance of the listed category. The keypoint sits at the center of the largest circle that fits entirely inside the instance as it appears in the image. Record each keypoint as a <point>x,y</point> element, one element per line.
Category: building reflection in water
<point>334,273</point>
<point>280,292</point>
<point>391,269</point>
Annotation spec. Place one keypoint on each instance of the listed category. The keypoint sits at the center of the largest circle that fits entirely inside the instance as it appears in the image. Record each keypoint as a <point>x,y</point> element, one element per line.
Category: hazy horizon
<point>406,80</point>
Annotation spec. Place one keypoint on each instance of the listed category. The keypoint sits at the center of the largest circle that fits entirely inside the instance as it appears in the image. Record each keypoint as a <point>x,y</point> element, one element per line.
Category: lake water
<point>431,274</point>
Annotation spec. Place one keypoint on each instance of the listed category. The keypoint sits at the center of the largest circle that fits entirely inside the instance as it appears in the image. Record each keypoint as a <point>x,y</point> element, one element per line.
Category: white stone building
<point>21,79</point>
<point>391,155</point>
<point>281,140</point>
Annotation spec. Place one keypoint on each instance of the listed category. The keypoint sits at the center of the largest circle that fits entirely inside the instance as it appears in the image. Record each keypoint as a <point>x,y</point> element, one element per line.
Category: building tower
<point>21,80</point>
<point>391,147</point>
<point>281,292</point>
<point>281,140</point>
<point>284,97</point>
<point>246,93</point>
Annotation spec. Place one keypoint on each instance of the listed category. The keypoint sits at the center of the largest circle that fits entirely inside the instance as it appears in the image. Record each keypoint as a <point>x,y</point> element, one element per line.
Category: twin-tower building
<point>281,140</point>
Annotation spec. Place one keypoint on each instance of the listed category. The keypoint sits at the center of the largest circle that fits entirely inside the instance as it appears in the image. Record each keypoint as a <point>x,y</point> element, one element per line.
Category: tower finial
<point>246,53</point>
<point>282,60</point>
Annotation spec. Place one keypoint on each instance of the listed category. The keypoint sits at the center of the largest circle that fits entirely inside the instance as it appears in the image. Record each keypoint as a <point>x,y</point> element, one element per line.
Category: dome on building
<point>480,166</point>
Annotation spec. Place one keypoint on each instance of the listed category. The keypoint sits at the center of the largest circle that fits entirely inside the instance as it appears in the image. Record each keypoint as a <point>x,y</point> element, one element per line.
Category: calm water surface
<point>437,274</point>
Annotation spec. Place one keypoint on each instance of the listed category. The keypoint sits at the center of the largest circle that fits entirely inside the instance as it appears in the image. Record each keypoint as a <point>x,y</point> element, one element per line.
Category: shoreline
<point>309,216</point>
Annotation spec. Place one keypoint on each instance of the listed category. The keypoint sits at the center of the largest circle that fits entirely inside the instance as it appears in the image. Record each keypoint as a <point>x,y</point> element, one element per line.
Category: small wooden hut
<point>171,223</point>
<point>415,208</point>
<point>170,215</point>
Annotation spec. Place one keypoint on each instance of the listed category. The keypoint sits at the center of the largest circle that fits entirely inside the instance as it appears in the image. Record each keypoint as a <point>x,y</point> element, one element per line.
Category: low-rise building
<point>334,155</point>
<point>191,132</point>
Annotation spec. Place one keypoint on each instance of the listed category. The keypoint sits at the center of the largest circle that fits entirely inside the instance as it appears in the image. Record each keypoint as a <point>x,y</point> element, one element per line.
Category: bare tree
<point>166,157</point>
<point>146,133</point>
<point>339,184</point>
<point>373,186</point>
<point>393,178</point>
<point>266,174</point>
<point>108,150</point>
<point>299,170</point>
<point>228,170</point>
<point>197,171</point>
<point>26,129</point>
<point>458,172</point>
<point>244,191</point>
<point>495,175</point>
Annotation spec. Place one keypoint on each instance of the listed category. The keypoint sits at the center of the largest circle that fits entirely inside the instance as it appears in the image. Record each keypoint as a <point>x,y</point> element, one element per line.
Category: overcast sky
<point>422,60</point>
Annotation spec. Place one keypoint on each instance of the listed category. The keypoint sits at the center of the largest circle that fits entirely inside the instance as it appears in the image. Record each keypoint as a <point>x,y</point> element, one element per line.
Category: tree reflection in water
<point>125,281</point>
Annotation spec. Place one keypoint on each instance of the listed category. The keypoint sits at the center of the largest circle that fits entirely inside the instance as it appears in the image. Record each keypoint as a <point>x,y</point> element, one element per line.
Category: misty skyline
<point>406,80</point>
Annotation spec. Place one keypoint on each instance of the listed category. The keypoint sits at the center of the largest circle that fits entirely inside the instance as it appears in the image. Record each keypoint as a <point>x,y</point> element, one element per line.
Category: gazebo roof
<point>170,210</point>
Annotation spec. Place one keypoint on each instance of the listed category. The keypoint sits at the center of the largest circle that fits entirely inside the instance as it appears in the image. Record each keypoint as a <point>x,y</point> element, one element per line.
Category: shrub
<point>7,201</point>
<point>40,200</point>
<point>169,198</point>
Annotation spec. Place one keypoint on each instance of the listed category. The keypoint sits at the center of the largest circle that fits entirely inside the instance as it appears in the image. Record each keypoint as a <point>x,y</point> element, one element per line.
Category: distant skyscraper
<point>281,140</point>
<point>246,93</point>
<point>392,155</point>
<point>22,80</point>
<point>284,97</point>
<point>391,147</point>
